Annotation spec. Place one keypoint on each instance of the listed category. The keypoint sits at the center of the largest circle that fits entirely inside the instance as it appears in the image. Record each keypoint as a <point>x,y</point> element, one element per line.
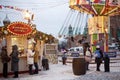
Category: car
<point>75,51</point>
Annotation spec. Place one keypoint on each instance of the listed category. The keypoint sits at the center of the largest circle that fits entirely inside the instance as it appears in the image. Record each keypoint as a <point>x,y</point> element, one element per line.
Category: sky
<point>49,15</point>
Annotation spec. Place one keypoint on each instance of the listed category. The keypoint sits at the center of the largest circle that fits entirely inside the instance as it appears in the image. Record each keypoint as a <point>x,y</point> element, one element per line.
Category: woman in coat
<point>30,59</point>
<point>14,60</point>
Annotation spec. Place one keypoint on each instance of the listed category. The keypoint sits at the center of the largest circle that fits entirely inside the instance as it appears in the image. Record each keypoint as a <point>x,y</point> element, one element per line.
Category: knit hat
<point>97,46</point>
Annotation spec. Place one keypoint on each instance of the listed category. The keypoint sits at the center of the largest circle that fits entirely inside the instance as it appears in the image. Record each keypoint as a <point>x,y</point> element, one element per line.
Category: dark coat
<point>4,56</point>
<point>14,60</point>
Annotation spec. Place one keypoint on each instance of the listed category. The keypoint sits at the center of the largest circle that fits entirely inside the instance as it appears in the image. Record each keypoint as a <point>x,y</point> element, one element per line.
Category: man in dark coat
<point>5,59</point>
<point>14,60</point>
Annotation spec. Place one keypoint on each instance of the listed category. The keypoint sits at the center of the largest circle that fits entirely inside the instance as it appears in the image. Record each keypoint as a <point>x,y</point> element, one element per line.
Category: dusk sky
<point>49,15</point>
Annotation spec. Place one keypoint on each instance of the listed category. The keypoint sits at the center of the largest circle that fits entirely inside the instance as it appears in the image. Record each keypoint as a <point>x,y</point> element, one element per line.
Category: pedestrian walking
<point>15,60</point>
<point>30,59</point>
<point>64,56</point>
<point>5,59</point>
<point>36,59</point>
<point>98,57</point>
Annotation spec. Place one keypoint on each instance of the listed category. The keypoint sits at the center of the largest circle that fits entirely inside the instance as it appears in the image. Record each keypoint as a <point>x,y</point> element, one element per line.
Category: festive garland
<point>15,8</point>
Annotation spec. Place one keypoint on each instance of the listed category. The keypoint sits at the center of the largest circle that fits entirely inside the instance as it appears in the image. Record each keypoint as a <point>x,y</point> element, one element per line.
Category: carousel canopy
<point>97,7</point>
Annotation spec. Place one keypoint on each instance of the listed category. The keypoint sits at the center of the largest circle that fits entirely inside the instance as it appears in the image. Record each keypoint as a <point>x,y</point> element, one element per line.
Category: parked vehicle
<point>75,51</point>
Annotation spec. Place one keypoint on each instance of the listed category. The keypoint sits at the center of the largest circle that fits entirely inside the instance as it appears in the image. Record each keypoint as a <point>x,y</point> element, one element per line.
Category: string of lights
<point>31,6</point>
<point>38,4</point>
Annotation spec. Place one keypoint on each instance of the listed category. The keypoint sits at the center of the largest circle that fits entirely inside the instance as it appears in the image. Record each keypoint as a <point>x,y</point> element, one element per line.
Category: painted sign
<point>19,28</point>
<point>98,24</point>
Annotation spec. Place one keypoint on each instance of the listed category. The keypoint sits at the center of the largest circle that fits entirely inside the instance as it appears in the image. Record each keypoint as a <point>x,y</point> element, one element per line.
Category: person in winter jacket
<point>30,59</point>
<point>15,60</point>
<point>5,59</point>
<point>36,59</point>
<point>98,57</point>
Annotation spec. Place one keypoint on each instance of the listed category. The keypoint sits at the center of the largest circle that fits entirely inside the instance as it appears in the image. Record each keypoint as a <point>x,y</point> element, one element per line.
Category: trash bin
<point>79,66</point>
<point>45,64</point>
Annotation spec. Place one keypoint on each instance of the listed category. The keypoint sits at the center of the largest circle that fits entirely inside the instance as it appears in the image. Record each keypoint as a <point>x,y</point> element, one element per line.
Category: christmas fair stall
<point>24,36</point>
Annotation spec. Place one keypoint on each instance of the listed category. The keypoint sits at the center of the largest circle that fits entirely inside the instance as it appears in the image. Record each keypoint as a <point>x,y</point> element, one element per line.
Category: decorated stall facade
<point>20,34</point>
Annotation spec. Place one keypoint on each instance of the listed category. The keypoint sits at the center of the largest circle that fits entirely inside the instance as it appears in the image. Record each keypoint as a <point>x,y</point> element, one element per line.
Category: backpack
<point>98,54</point>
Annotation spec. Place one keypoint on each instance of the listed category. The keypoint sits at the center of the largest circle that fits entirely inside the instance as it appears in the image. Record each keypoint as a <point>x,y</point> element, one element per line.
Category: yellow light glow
<point>26,15</point>
<point>72,2</point>
<point>106,30</point>
<point>14,39</point>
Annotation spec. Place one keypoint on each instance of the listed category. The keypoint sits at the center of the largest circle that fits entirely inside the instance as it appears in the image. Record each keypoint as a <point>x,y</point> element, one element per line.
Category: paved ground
<point>64,72</point>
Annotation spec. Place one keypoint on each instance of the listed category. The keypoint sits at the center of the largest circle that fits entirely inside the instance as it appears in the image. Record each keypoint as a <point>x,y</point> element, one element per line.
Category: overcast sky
<point>49,14</point>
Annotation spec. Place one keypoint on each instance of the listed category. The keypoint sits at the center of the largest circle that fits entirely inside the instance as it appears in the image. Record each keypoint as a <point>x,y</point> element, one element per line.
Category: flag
<point>0,6</point>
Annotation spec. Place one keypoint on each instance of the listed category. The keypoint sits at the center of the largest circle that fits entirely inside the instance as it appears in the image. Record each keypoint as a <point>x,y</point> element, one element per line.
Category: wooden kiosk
<point>20,34</point>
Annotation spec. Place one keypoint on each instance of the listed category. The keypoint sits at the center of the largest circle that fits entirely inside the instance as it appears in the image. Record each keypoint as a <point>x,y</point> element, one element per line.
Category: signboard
<point>19,28</point>
<point>50,49</point>
<point>51,53</point>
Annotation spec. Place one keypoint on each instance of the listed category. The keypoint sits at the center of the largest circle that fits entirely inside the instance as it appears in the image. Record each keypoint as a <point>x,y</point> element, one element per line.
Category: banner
<point>98,24</point>
<point>15,8</point>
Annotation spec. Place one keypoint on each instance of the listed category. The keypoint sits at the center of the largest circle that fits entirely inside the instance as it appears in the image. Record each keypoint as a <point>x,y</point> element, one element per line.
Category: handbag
<point>88,59</point>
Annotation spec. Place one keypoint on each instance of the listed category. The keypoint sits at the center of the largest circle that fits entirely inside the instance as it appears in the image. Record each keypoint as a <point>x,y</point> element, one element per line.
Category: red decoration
<point>19,28</point>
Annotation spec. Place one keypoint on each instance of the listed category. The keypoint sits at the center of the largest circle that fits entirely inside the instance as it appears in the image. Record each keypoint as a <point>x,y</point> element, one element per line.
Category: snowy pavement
<point>64,72</point>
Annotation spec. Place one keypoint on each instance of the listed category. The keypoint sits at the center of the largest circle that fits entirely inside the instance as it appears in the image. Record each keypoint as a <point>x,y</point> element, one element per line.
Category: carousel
<point>99,25</point>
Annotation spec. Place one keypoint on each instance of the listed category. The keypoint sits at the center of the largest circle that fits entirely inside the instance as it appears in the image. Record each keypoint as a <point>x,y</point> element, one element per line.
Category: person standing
<point>106,62</point>
<point>15,60</point>
<point>88,57</point>
<point>36,59</point>
<point>64,56</point>
<point>30,59</point>
<point>5,59</point>
<point>98,57</point>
